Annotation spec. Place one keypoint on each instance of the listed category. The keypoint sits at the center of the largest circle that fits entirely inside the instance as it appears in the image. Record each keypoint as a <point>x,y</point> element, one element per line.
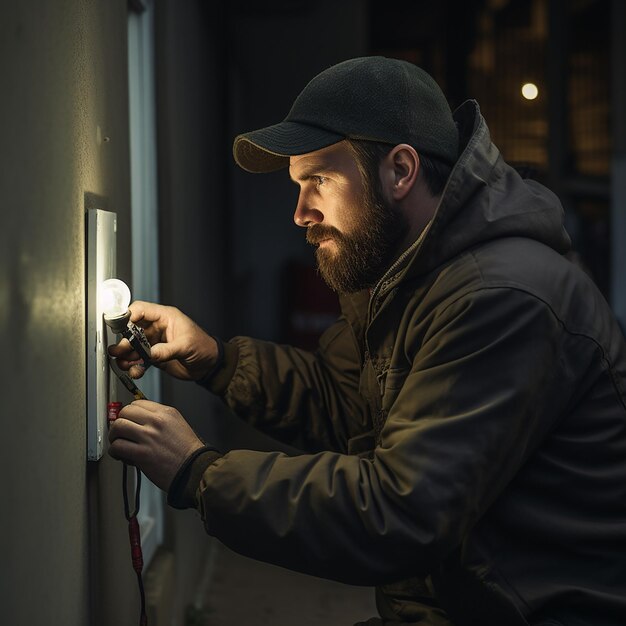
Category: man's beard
<point>358,259</point>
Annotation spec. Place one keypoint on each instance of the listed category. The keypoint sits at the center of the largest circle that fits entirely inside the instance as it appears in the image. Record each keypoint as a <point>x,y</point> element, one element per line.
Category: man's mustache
<point>318,232</point>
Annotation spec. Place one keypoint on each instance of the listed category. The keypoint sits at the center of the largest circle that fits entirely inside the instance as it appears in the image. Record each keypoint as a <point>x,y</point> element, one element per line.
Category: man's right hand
<point>179,345</point>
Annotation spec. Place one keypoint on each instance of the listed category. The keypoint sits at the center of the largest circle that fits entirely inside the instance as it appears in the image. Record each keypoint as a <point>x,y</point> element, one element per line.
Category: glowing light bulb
<point>114,297</point>
<point>530,91</point>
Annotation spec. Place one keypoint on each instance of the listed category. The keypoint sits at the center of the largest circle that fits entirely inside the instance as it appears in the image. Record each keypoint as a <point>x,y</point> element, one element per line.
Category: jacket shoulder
<point>526,265</point>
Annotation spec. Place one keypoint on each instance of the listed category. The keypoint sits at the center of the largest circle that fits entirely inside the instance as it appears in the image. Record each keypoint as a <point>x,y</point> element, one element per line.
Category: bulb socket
<point>119,323</point>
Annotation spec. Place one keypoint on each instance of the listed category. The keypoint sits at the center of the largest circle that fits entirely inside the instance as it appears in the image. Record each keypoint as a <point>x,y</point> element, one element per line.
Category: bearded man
<point>463,424</point>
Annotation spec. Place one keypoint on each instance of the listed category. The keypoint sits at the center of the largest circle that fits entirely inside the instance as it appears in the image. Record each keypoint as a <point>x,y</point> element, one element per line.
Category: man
<point>464,421</point>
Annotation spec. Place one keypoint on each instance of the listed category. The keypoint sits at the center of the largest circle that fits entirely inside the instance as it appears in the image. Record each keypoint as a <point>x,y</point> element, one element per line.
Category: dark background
<point>254,58</point>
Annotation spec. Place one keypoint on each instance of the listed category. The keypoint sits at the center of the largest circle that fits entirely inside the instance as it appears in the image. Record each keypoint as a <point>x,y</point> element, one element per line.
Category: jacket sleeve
<point>477,399</point>
<point>309,400</point>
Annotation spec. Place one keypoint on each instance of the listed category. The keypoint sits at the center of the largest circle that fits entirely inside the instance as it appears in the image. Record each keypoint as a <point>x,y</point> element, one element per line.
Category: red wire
<point>134,534</point>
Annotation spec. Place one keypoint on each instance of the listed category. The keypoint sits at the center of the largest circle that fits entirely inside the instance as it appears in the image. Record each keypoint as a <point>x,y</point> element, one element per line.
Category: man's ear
<point>401,167</point>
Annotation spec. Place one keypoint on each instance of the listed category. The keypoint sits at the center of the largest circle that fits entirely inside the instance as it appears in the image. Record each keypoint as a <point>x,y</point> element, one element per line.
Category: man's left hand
<point>154,437</point>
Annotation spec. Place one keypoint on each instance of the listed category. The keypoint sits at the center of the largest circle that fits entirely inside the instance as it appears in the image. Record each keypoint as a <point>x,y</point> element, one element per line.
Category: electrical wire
<point>134,535</point>
<point>137,339</point>
<point>134,532</point>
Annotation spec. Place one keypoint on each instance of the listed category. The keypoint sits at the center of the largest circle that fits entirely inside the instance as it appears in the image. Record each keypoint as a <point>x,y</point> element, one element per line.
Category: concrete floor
<point>243,591</point>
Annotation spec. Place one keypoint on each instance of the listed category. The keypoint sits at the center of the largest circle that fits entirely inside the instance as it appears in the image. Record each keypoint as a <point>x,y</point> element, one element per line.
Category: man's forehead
<point>335,157</point>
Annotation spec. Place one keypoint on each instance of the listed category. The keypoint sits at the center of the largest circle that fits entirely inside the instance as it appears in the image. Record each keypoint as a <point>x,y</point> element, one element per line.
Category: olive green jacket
<point>464,425</point>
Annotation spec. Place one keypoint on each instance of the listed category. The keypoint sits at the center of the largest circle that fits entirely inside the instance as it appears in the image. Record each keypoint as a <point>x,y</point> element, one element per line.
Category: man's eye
<point>320,180</point>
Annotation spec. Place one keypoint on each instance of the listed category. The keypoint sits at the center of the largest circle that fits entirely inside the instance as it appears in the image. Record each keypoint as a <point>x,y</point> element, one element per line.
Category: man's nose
<point>306,215</point>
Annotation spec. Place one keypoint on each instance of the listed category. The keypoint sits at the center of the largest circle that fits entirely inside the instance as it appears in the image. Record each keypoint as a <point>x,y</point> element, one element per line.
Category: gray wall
<point>63,69</point>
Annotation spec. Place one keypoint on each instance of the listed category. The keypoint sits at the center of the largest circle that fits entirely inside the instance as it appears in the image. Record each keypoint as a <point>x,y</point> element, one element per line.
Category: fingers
<point>124,450</point>
<point>132,421</point>
<point>125,438</point>
<point>127,359</point>
<point>154,319</point>
<point>139,412</point>
<point>130,361</point>
<point>159,353</point>
<point>145,313</point>
<point>136,370</point>
<point>163,352</point>
<point>124,350</point>
<point>147,405</point>
<point>124,354</point>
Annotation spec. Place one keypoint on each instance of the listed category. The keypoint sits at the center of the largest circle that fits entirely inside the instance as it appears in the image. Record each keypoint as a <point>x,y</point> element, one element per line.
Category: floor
<point>243,591</point>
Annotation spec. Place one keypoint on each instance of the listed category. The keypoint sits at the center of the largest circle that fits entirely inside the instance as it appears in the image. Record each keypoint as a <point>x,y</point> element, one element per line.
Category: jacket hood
<point>484,199</point>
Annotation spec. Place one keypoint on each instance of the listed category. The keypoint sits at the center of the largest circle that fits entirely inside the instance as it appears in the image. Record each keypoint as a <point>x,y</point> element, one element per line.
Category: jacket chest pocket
<point>380,386</point>
<point>393,381</point>
<point>381,389</point>
<point>370,391</point>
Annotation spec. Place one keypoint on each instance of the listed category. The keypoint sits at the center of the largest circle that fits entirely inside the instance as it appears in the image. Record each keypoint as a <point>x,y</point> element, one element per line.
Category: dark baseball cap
<point>374,98</point>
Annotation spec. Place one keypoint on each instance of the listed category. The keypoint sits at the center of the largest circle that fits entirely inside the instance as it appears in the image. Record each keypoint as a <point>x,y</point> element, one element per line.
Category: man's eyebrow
<point>310,171</point>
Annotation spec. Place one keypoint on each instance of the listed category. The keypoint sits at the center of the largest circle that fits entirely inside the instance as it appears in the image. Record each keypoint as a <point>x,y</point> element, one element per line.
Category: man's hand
<point>179,345</point>
<point>154,437</point>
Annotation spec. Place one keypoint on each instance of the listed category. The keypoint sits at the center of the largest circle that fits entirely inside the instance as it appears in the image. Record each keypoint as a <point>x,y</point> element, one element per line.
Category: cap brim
<point>269,149</point>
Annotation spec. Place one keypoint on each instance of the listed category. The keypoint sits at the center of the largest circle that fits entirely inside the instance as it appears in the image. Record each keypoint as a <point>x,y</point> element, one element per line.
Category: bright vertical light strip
<point>144,221</point>
<point>142,96</point>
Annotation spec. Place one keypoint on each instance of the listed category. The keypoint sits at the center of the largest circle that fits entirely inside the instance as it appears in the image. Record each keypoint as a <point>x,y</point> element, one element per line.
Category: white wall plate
<point>101,262</point>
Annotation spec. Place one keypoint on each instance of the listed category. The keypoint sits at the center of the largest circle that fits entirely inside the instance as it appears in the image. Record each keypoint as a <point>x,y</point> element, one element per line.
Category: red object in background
<point>310,306</point>
<point>113,410</point>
